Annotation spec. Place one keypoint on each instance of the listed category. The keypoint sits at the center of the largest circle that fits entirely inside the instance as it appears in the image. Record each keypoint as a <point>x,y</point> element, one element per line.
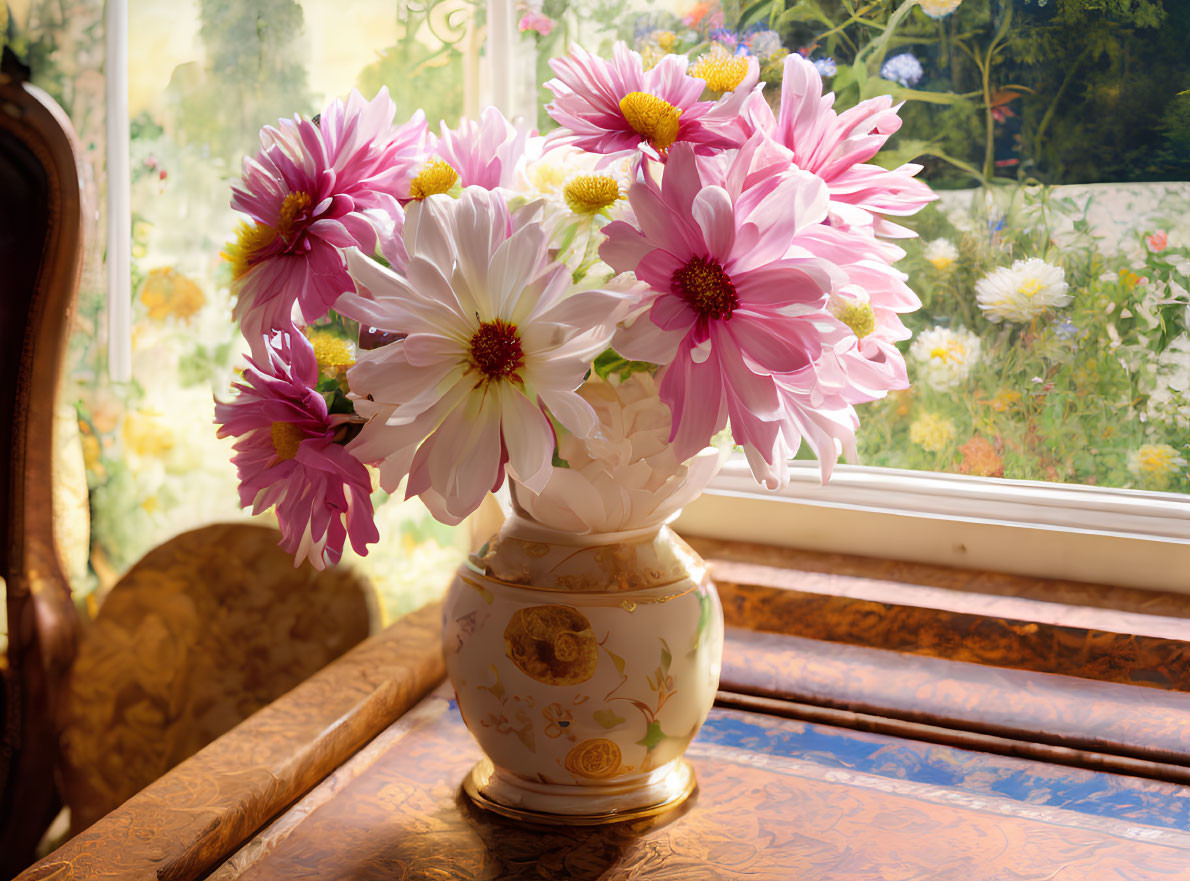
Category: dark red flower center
<point>496,350</point>
<point>706,288</point>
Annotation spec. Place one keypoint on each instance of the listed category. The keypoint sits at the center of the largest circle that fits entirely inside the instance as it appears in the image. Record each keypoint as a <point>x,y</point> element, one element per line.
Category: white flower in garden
<point>939,8</point>
<point>904,69</point>
<point>944,356</point>
<point>942,253</point>
<point>1022,292</point>
<point>1170,399</point>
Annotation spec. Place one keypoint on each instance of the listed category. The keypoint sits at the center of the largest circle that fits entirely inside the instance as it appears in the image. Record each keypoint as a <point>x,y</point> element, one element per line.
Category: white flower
<point>939,8</point>
<point>1023,292</point>
<point>942,253</point>
<point>945,357</point>
<point>1170,399</point>
<point>494,337</point>
<point>559,176</point>
<point>624,475</point>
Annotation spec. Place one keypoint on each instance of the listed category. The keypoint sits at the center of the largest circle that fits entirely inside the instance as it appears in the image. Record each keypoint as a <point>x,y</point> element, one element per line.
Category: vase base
<point>562,805</point>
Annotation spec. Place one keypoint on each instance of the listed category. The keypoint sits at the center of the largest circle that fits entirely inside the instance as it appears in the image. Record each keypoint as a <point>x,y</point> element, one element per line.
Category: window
<point>1009,421</point>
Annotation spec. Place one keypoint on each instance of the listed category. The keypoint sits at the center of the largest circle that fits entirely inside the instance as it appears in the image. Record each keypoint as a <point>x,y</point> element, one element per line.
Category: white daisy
<point>942,253</point>
<point>944,356</point>
<point>1023,292</point>
<point>939,8</point>
<point>495,336</point>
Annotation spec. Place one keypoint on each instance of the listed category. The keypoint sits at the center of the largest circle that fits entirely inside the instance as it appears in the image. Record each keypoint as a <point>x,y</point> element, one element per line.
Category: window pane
<point>1052,343</point>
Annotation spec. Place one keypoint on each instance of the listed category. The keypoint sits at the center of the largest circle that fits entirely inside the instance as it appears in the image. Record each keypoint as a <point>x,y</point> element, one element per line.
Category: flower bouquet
<point>581,314</point>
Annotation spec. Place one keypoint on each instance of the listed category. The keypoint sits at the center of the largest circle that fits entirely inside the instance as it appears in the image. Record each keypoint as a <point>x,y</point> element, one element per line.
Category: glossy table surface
<point>777,799</point>
<point>879,720</point>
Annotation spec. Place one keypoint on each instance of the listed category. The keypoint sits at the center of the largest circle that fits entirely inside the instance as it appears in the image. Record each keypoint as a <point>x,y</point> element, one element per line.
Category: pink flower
<point>495,336</point>
<point>485,154</point>
<point>300,216</point>
<point>615,108</point>
<point>286,455</point>
<point>535,21</point>
<point>369,156</point>
<point>736,302</point>
<point>1157,241</point>
<point>837,146</point>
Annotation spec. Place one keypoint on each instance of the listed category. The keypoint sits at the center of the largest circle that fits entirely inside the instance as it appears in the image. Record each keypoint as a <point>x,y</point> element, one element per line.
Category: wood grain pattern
<point>763,811</point>
<point>1146,641</point>
<point>188,820</point>
<point>1065,711</point>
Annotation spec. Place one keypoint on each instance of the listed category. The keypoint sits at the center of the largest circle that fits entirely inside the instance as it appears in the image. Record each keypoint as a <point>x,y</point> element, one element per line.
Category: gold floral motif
<point>596,759</point>
<point>552,644</point>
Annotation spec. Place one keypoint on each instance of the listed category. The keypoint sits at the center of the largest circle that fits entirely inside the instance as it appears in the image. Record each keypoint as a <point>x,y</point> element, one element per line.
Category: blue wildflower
<point>1067,330</point>
<point>762,44</point>
<point>904,69</point>
<point>826,66</point>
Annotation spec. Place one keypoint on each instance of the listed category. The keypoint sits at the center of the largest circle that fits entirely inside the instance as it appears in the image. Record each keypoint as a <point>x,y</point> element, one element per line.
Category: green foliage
<point>254,74</point>
<point>419,72</point>
<point>1068,91</point>
<point>1075,395</point>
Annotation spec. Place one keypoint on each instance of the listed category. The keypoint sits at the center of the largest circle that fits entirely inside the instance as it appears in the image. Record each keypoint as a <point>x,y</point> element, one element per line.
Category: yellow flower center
<point>1156,458</point>
<point>287,437</point>
<point>941,262</point>
<point>294,214</point>
<point>721,72</point>
<point>652,118</point>
<point>859,317</point>
<point>251,239</point>
<point>435,178</point>
<point>666,40</point>
<point>706,288</point>
<point>332,353</point>
<point>496,350</point>
<point>590,193</point>
<point>1029,288</point>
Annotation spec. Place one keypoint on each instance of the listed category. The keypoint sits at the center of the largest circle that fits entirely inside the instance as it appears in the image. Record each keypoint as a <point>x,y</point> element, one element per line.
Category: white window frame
<point>1121,537</point>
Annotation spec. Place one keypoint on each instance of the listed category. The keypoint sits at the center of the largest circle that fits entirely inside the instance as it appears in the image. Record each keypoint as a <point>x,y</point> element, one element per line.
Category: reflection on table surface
<point>777,799</point>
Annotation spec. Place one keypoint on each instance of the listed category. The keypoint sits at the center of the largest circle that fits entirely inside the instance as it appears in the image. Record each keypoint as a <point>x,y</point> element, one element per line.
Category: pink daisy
<point>485,154</point>
<point>369,156</point>
<point>736,300</point>
<point>495,338</point>
<point>287,456</point>
<point>837,146</point>
<point>618,107</point>
<point>300,217</point>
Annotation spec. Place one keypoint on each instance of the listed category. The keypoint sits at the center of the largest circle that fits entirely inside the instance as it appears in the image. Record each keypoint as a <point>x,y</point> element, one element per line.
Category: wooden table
<point>826,758</point>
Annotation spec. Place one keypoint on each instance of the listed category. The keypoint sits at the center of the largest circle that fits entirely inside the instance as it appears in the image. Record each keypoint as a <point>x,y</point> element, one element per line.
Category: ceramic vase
<point>583,665</point>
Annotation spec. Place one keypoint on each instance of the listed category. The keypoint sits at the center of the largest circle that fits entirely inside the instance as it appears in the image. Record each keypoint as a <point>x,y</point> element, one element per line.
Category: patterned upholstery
<point>202,632</point>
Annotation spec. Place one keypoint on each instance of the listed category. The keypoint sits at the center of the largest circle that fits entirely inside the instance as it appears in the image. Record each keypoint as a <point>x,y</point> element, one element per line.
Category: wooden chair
<point>41,252</point>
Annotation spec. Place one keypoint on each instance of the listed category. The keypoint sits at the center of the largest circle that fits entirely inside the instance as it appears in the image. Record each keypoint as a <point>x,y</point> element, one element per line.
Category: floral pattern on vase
<point>584,687</point>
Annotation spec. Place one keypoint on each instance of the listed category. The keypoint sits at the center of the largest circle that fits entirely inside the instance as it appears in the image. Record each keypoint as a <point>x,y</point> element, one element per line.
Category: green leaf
<point>617,661</point>
<point>607,719</point>
<point>610,362</point>
<point>666,656</point>
<point>653,736</point>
